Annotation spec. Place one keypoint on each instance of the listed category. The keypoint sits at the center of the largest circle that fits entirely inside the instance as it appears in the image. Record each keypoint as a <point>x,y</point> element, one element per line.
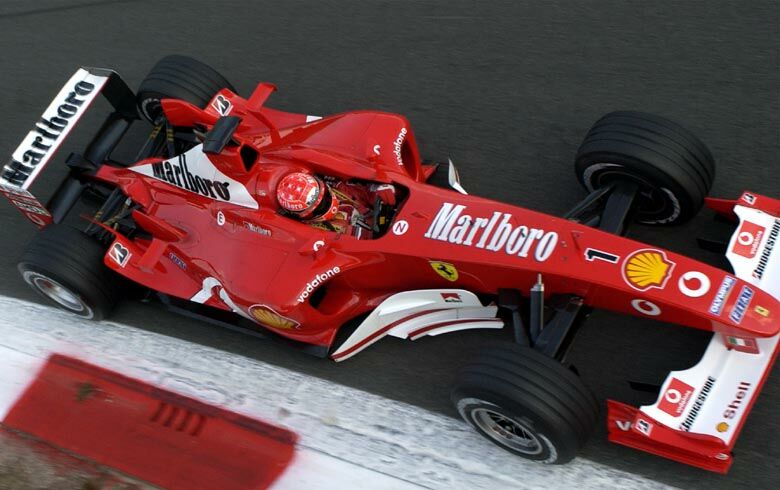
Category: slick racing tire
<point>66,267</point>
<point>673,168</point>
<point>178,77</point>
<point>526,403</point>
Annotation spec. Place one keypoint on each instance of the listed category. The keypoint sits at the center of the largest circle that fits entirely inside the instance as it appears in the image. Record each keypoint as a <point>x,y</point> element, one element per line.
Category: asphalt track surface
<point>507,89</point>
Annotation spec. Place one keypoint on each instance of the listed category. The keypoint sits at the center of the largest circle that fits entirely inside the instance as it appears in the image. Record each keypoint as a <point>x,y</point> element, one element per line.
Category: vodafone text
<point>316,282</point>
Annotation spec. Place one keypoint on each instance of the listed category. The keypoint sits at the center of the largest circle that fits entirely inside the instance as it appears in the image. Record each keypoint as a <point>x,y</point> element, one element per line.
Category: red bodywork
<point>268,267</point>
<point>214,234</point>
<point>266,260</point>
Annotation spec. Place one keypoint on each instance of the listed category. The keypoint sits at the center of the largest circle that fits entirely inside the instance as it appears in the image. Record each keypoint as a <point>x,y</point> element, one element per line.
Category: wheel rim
<point>58,293</point>
<point>507,431</point>
<point>150,108</point>
<point>655,205</point>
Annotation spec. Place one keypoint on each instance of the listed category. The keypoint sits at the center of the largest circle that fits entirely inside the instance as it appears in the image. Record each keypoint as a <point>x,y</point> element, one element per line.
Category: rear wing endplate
<point>53,127</point>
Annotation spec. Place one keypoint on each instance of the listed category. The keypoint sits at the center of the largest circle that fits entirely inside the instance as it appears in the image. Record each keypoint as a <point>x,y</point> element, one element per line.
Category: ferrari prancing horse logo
<point>445,270</point>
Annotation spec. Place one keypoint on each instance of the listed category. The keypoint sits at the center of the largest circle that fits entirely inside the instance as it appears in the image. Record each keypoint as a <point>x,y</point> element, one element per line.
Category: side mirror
<point>454,178</point>
<point>220,135</point>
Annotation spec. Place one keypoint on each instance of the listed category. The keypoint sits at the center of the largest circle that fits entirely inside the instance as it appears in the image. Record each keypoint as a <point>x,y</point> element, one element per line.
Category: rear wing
<point>49,132</point>
<point>700,411</point>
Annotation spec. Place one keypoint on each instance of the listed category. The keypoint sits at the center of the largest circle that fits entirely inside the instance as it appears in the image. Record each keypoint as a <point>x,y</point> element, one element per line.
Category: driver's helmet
<point>306,196</point>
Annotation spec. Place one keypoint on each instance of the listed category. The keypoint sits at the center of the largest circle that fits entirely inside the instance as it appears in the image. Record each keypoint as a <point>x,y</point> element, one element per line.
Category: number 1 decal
<point>592,254</point>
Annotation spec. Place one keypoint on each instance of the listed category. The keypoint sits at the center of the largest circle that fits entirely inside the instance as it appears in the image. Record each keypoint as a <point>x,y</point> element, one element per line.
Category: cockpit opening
<point>361,209</point>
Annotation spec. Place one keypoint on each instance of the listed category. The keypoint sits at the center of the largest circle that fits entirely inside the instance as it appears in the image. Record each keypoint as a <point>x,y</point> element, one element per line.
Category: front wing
<point>700,411</point>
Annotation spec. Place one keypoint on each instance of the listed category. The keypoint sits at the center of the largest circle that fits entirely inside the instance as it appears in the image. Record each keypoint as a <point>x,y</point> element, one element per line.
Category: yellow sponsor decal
<point>647,268</point>
<point>445,270</point>
<point>761,310</point>
<point>267,317</point>
<point>722,427</point>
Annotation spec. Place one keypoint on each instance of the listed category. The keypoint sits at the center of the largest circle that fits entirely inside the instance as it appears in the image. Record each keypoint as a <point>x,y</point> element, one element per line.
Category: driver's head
<point>306,196</point>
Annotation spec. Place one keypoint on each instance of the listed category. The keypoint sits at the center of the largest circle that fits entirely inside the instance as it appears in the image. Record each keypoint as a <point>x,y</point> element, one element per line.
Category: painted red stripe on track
<point>155,435</point>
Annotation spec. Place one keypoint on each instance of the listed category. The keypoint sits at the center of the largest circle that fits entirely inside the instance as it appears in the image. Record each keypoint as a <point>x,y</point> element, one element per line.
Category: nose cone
<point>752,312</point>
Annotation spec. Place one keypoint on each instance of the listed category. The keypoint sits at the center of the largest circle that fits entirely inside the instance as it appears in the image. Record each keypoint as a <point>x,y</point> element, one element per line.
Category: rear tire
<point>526,403</point>
<point>66,267</point>
<point>179,77</point>
<point>673,168</point>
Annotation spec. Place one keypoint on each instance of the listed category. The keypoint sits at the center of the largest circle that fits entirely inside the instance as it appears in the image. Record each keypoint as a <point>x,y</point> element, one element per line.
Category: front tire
<point>66,267</point>
<point>673,168</point>
<point>526,403</point>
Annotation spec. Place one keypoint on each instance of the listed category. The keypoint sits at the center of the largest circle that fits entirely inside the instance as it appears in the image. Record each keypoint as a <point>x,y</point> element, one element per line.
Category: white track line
<point>348,438</point>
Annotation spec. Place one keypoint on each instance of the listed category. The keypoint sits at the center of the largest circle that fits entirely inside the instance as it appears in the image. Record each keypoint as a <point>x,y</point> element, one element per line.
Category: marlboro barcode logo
<point>451,298</point>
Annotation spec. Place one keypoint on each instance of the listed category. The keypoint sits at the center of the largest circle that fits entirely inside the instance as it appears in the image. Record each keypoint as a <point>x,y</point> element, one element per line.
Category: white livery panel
<point>414,314</point>
<point>713,397</point>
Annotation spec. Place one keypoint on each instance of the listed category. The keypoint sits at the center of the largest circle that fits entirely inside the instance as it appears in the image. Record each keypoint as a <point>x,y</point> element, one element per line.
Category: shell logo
<point>646,269</point>
<point>266,316</point>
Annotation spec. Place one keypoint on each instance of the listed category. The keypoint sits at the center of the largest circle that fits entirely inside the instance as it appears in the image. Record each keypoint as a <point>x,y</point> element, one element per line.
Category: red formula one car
<point>325,232</point>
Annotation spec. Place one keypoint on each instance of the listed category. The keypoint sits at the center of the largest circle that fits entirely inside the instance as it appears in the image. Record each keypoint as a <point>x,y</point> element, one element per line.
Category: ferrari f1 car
<point>326,232</point>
